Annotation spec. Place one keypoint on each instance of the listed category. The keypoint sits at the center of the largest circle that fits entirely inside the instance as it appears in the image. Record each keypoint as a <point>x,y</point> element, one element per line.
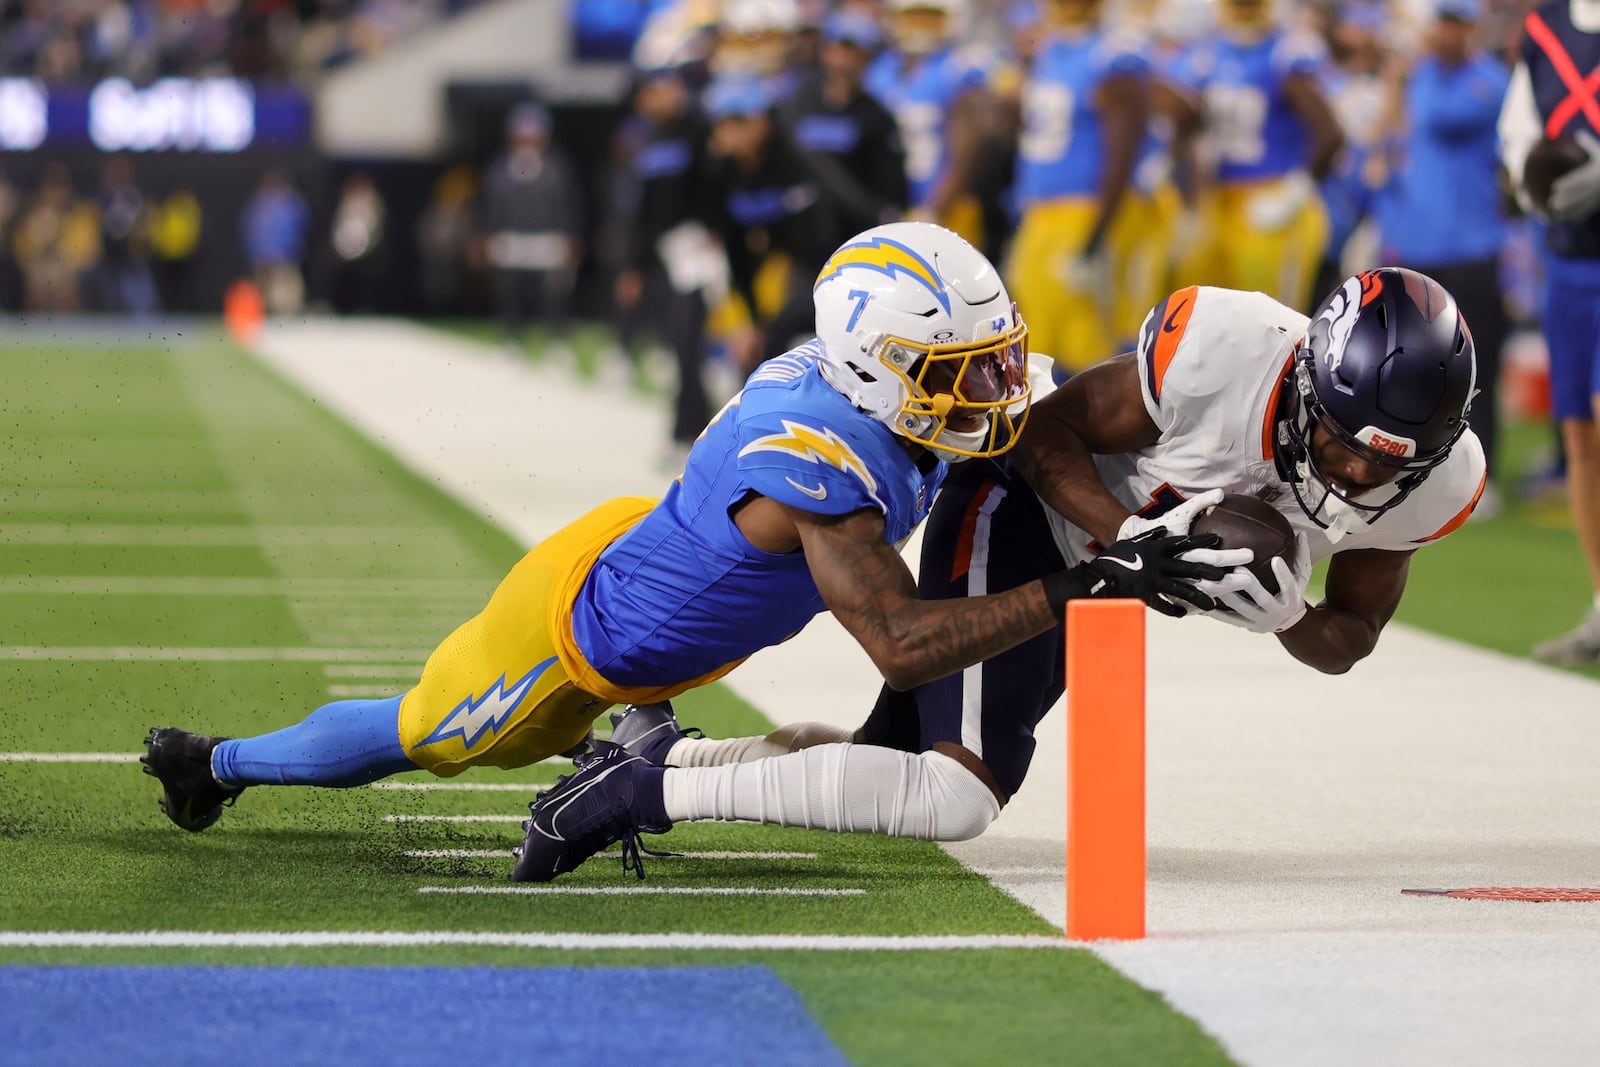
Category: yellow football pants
<point>510,687</point>
<point>1235,254</point>
<point>1076,325</point>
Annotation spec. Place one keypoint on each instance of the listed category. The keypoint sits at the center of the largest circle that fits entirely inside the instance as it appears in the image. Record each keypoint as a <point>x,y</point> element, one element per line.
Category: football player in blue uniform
<point>1254,88</point>
<point>938,94</point>
<point>1552,96</point>
<point>793,502</point>
<point>1085,107</point>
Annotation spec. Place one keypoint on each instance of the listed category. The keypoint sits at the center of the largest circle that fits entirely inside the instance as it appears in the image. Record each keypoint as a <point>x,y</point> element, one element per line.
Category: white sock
<point>847,788</point>
<point>714,752</point>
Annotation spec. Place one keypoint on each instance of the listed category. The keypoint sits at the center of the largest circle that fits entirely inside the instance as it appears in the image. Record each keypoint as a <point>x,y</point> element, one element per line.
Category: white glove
<point>1175,521</point>
<point>1273,208</point>
<point>1250,606</point>
<point>1577,192</point>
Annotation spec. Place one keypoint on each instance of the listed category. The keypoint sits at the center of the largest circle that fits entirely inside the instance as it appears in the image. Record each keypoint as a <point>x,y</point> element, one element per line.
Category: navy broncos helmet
<point>1387,369</point>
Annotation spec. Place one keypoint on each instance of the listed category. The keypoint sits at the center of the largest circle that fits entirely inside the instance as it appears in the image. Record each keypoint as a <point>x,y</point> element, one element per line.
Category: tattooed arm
<point>871,592</point>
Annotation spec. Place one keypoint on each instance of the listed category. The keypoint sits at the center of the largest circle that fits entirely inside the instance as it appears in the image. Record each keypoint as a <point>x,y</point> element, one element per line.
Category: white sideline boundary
<point>1286,809</point>
<point>573,942</point>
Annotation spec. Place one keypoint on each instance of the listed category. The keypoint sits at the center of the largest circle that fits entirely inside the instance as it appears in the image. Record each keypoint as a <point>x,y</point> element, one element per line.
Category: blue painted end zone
<point>477,1016</point>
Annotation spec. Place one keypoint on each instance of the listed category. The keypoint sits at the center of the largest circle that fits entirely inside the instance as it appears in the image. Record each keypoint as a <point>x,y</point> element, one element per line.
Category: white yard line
<point>455,818</point>
<point>364,690</point>
<point>462,787</point>
<point>416,600</point>
<point>214,535</point>
<point>68,757</point>
<point>633,891</point>
<point>581,942</point>
<point>205,655</point>
<point>19,498</point>
<point>505,853</point>
<point>408,673</point>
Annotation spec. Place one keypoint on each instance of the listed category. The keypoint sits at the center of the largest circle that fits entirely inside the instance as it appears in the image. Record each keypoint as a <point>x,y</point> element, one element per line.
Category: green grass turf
<point>1507,582</point>
<point>194,463</point>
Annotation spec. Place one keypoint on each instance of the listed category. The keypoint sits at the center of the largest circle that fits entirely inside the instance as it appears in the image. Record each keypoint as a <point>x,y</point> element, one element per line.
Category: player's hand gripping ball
<point>1268,595</point>
<point>1246,522</point>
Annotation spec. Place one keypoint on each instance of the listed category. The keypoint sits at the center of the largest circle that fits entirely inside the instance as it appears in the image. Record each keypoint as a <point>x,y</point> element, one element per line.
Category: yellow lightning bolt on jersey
<point>815,446</point>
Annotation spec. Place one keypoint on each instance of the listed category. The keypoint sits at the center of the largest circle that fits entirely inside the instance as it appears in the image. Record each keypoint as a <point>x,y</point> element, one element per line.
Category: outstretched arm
<point>1098,411</point>
<point>870,590</point>
<point>1363,590</point>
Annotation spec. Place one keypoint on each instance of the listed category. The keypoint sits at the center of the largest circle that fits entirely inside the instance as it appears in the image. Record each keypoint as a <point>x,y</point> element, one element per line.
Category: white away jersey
<point>1210,362</point>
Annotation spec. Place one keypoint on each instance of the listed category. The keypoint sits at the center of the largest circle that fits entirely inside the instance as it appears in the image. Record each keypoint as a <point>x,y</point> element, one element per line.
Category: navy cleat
<point>613,797</point>
<point>182,761</point>
<point>649,730</point>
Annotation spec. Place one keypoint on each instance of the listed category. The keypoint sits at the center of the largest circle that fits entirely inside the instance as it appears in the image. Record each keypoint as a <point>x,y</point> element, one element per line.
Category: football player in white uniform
<point>1352,423</point>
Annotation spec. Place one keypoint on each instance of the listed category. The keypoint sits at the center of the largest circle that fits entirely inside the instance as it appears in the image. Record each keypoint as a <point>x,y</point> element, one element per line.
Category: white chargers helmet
<point>918,330</point>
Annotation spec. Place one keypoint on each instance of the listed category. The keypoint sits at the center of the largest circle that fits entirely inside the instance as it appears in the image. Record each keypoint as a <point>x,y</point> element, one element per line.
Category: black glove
<point>1147,567</point>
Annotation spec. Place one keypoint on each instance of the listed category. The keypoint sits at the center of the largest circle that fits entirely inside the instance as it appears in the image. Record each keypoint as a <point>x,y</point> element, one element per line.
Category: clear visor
<point>976,393</point>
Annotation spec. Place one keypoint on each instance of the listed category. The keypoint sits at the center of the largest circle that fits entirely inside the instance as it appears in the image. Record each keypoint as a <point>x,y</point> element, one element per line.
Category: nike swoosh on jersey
<point>1172,318</point>
<point>819,493</point>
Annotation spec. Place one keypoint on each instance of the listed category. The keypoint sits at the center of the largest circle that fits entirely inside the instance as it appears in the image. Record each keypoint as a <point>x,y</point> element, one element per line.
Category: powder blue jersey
<point>920,93</point>
<point>683,593</point>
<point>1256,134</point>
<point>1062,149</point>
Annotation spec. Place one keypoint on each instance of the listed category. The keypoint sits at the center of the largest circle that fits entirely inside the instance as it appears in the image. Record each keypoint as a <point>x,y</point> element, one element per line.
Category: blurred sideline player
<point>1270,136</point>
<point>1352,424</point>
<point>776,222</point>
<point>758,37</point>
<point>850,137</point>
<point>793,502</point>
<point>1552,95</point>
<point>937,92</point>
<point>1085,106</point>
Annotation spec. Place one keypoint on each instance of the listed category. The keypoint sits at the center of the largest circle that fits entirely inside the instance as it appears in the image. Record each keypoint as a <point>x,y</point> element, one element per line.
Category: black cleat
<point>649,730</point>
<point>599,805</point>
<point>194,800</point>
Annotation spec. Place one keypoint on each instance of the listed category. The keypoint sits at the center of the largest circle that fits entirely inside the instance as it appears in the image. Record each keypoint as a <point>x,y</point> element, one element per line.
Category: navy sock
<point>346,743</point>
<point>650,800</point>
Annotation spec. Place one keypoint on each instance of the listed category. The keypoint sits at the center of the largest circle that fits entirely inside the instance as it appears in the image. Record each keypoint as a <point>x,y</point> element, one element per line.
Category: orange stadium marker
<point>1105,770</point>
<point>243,310</point>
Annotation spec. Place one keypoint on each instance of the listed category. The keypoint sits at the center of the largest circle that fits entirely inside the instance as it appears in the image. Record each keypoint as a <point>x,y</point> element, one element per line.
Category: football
<point>1247,522</point>
<point>1549,160</point>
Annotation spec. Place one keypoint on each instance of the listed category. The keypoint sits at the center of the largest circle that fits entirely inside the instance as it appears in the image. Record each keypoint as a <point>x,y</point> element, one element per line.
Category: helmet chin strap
<point>1337,517</point>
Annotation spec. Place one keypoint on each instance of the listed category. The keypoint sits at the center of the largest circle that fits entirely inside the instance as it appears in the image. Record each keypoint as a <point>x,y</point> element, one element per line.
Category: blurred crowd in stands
<point>61,41</point>
<point>1103,151</point>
